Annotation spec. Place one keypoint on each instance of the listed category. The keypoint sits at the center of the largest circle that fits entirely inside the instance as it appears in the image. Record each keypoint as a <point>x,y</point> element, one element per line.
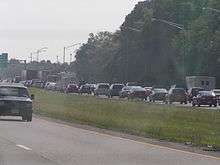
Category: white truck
<point>205,82</point>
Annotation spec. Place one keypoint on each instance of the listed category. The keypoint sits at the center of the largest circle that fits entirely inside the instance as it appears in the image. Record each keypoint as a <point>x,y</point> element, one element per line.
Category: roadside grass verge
<point>167,122</point>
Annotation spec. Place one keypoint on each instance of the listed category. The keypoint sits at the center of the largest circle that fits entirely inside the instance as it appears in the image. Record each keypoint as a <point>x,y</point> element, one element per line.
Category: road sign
<point>3,60</point>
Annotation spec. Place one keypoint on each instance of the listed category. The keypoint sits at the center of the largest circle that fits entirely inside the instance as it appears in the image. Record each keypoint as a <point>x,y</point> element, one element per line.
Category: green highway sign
<point>3,60</point>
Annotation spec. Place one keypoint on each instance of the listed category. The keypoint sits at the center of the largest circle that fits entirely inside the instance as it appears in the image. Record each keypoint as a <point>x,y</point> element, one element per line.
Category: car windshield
<point>160,90</point>
<point>138,89</point>
<point>13,91</point>
<point>118,86</point>
<point>196,90</point>
<point>126,88</point>
<point>207,93</point>
<point>178,91</point>
<point>103,87</point>
<point>72,85</point>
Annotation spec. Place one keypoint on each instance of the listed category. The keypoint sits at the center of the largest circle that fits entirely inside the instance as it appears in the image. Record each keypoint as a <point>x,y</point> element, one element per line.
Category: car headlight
<point>2,103</point>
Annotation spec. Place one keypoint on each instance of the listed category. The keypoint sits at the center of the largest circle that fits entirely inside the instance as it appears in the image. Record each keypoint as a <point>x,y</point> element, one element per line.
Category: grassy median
<point>165,122</point>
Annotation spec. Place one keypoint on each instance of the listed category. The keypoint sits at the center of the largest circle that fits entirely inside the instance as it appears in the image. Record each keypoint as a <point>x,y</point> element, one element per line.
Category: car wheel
<point>215,105</point>
<point>185,102</point>
<point>193,104</point>
<point>24,118</point>
<point>199,105</point>
<point>181,102</point>
<point>29,117</point>
<point>210,105</point>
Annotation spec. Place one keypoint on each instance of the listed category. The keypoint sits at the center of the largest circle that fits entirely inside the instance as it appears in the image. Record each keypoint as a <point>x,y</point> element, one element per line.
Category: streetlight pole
<point>44,49</point>
<point>66,48</point>
<point>40,51</point>
<point>64,54</point>
<point>172,24</point>
<point>180,27</point>
<point>31,57</point>
<point>126,77</point>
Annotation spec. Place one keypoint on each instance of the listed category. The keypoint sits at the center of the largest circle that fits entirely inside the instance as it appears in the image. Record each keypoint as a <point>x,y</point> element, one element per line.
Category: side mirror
<point>32,97</point>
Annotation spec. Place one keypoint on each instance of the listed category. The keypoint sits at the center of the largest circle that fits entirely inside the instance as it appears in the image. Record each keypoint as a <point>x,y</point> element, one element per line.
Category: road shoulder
<point>179,147</point>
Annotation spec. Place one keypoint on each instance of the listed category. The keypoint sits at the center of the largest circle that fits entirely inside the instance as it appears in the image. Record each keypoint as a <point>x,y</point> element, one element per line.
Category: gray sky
<point>27,25</point>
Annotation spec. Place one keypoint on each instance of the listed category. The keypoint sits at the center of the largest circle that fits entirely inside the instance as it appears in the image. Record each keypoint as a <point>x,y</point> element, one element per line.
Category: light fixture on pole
<point>66,48</point>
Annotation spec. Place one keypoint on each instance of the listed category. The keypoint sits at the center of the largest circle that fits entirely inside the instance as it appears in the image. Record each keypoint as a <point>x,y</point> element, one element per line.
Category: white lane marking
<point>24,147</point>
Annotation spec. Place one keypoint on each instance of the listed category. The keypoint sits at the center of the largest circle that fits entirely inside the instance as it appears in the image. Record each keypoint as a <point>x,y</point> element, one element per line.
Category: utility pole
<point>66,48</point>
<point>64,54</point>
<point>44,49</point>
<point>31,57</point>
<point>71,57</point>
<point>57,59</point>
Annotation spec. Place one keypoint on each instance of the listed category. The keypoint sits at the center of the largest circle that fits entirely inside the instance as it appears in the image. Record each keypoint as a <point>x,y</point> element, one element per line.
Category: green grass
<point>165,122</point>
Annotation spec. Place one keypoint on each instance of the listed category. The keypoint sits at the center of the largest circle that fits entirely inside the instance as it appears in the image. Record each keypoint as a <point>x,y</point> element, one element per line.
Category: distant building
<point>205,82</point>
<point>42,75</point>
<point>29,74</point>
<point>34,74</point>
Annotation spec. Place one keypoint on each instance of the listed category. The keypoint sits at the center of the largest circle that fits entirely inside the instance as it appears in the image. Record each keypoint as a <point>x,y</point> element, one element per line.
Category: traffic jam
<point>200,93</point>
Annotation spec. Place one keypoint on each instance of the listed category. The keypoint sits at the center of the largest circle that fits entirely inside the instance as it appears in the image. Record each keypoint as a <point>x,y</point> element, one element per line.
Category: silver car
<point>102,89</point>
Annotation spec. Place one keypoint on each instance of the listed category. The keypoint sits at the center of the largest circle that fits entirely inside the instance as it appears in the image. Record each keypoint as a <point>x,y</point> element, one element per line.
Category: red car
<point>72,88</point>
<point>149,90</point>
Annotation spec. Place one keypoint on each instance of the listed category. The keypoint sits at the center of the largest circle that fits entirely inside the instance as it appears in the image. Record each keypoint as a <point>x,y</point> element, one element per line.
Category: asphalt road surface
<point>45,143</point>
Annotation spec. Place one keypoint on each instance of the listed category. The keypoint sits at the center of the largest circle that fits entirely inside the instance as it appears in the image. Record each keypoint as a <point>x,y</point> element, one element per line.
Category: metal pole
<point>25,64</point>
<point>38,55</point>
<point>71,57</point>
<point>31,57</point>
<point>64,54</point>
<point>57,59</point>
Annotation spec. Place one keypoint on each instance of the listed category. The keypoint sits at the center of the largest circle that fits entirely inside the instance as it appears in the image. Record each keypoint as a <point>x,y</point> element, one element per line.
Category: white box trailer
<point>206,82</point>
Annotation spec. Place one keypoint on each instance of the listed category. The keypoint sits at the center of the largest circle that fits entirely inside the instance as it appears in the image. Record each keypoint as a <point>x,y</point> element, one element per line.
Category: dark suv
<point>205,98</point>
<point>176,95</point>
<point>115,89</point>
<point>15,101</point>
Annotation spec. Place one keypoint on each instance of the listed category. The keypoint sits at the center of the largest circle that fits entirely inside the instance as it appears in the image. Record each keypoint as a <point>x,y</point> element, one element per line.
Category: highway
<point>45,142</point>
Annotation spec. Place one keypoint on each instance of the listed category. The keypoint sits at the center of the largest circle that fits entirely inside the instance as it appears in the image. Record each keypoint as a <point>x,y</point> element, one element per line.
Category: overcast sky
<point>27,25</point>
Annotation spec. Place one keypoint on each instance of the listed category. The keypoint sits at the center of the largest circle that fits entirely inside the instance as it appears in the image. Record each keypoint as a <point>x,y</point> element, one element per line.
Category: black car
<point>192,92</point>
<point>176,95</point>
<point>205,98</point>
<point>72,88</point>
<point>15,101</point>
<point>158,94</point>
<point>115,89</point>
<point>85,89</point>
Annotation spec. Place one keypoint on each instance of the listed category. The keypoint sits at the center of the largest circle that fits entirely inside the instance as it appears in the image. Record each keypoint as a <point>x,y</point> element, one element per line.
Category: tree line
<point>159,43</point>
